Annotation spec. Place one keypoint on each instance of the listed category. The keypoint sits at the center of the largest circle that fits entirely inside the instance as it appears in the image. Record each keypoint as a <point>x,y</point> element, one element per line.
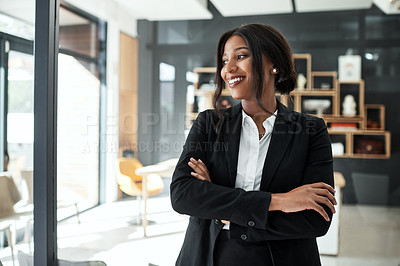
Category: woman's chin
<point>236,96</point>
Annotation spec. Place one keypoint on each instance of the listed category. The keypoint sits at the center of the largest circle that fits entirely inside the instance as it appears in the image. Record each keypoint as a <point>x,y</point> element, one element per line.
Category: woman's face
<point>237,69</point>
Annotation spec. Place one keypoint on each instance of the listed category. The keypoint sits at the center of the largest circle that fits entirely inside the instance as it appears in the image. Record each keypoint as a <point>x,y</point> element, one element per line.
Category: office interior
<point>129,78</point>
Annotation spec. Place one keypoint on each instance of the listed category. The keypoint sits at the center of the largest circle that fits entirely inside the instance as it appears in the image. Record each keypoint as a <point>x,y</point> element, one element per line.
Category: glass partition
<point>78,114</point>
<point>16,131</point>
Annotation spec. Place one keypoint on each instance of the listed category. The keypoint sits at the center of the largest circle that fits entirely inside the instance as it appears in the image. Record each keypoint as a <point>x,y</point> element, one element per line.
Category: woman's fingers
<point>324,186</point>
<point>321,211</point>
<point>196,168</point>
<point>326,202</point>
<point>327,194</point>
<point>198,176</point>
<point>201,171</point>
<point>201,165</point>
<point>310,197</point>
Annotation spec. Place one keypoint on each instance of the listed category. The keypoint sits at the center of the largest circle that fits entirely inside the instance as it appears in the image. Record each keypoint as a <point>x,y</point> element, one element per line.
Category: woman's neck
<point>256,112</point>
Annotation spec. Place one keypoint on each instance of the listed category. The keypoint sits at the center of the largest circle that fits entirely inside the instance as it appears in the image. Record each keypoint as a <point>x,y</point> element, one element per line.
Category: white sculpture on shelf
<point>317,105</point>
<point>349,105</point>
<point>301,81</point>
<point>210,86</point>
<point>205,102</point>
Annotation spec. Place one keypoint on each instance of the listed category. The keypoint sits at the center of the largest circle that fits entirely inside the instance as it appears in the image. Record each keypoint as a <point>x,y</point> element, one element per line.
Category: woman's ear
<point>274,71</point>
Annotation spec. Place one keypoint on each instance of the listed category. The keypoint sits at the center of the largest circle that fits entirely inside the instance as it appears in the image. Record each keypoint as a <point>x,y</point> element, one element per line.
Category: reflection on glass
<point>16,184</point>
<point>382,27</point>
<point>78,34</point>
<point>372,63</point>
<point>167,88</point>
<point>78,136</point>
<point>381,62</point>
<point>20,114</point>
<point>16,27</point>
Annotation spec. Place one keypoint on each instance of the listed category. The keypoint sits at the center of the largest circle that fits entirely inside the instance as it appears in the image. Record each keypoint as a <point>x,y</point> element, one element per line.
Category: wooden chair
<point>131,184</point>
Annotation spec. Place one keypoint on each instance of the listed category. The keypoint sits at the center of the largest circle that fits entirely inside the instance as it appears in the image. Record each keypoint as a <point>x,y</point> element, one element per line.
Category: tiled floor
<point>368,236</point>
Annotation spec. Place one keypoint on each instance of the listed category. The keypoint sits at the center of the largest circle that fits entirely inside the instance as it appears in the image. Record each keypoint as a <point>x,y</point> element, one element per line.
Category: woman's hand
<point>200,170</point>
<point>306,197</point>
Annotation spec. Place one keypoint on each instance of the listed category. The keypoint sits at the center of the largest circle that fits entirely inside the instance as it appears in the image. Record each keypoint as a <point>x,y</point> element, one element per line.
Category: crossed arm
<point>305,197</point>
<point>303,212</point>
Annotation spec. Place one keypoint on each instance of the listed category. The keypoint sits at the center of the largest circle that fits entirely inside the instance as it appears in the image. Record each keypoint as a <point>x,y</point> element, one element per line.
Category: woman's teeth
<point>235,80</point>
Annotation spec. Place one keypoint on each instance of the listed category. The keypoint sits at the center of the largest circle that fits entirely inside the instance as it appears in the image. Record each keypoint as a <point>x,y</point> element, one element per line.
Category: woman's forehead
<point>234,43</point>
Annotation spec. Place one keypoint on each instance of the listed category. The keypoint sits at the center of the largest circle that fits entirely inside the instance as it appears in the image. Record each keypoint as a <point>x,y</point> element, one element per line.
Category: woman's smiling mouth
<point>234,81</point>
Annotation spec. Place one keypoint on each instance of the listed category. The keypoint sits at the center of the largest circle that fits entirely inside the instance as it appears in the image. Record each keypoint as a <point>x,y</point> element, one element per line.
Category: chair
<point>27,176</point>
<point>131,184</point>
<point>9,196</point>
<point>27,260</point>
<point>6,227</point>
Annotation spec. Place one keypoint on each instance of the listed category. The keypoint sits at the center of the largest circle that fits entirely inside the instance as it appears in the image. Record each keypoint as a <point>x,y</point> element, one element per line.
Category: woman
<point>256,179</point>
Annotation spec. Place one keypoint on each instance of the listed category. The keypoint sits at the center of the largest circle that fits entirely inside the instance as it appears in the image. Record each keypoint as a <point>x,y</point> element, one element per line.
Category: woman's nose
<point>230,66</point>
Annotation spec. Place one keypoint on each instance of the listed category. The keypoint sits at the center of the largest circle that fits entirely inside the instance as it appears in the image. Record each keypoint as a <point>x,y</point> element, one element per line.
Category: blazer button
<point>243,237</point>
<point>251,223</point>
<point>217,221</point>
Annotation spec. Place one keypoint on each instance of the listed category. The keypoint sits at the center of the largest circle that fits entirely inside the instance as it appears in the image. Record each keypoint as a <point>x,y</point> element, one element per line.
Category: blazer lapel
<point>232,127</point>
<point>280,139</point>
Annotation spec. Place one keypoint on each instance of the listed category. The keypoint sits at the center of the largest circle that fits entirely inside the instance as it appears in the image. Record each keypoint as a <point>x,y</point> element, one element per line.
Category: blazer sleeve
<point>203,199</point>
<point>308,223</point>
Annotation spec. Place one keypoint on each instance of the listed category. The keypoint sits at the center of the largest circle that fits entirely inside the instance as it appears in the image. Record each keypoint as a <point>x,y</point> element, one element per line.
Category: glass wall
<point>20,114</point>
<point>16,131</point>
<point>80,77</point>
<point>78,114</point>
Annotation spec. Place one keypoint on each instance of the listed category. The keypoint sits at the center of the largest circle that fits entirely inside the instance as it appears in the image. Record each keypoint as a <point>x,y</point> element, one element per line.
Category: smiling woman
<point>236,71</point>
<point>262,46</point>
<point>265,198</point>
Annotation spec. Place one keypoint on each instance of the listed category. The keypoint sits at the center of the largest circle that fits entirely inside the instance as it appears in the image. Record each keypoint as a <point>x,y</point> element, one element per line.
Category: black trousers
<point>237,252</point>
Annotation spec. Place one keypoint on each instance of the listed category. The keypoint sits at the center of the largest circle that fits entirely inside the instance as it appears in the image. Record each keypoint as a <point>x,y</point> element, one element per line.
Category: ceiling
<point>329,5</point>
<point>230,8</point>
<point>167,9</point>
<point>197,9</point>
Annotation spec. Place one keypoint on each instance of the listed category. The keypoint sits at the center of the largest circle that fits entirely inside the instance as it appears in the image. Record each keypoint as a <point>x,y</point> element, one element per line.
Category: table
<point>164,169</point>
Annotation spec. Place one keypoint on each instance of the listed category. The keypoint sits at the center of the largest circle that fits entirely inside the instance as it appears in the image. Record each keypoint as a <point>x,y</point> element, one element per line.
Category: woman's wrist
<point>277,200</point>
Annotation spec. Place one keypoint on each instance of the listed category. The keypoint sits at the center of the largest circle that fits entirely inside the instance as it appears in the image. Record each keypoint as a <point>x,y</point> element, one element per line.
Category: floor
<point>368,236</point>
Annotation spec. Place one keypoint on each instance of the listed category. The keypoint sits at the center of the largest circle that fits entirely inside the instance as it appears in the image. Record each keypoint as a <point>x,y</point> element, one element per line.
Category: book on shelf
<point>343,127</point>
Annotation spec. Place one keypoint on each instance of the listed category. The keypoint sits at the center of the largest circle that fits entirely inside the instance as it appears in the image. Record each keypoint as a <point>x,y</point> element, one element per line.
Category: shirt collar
<point>270,120</point>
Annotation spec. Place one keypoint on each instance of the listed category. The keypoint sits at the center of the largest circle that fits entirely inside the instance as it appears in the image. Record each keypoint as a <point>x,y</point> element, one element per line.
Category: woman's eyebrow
<point>238,48</point>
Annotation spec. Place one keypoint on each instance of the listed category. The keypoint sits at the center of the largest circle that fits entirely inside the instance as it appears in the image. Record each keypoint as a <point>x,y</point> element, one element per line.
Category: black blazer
<point>299,153</point>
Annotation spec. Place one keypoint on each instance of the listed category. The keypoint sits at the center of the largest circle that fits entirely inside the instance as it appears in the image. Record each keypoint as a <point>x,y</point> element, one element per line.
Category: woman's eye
<point>224,62</point>
<point>241,56</point>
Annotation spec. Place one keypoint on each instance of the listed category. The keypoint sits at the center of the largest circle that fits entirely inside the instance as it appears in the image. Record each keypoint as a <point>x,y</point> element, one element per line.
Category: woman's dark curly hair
<point>261,40</point>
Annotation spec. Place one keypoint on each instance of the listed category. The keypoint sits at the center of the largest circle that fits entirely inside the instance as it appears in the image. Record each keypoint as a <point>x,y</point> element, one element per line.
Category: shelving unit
<point>374,118</point>
<point>357,130</point>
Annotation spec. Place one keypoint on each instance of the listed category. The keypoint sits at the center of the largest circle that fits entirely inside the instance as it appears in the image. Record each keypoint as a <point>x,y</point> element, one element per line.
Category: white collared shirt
<point>252,153</point>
